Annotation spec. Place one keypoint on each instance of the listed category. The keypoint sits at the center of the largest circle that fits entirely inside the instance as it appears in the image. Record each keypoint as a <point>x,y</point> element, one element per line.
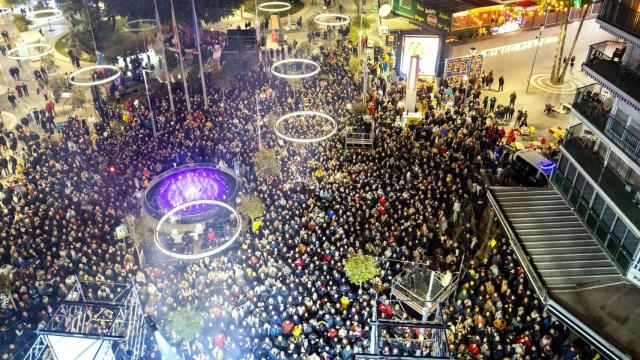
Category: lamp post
<point>535,55</point>
<point>146,87</point>
<point>258,119</point>
<point>467,76</point>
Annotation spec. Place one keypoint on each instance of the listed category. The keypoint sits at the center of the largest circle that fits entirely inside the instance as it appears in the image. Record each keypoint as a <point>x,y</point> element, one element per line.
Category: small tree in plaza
<point>21,22</point>
<point>252,206</point>
<point>78,98</point>
<point>266,163</point>
<point>57,84</point>
<point>186,323</point>
<point>361,268</point>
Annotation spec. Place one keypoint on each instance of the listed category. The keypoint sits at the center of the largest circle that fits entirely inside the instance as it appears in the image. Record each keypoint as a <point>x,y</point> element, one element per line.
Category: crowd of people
<point>282,292</point>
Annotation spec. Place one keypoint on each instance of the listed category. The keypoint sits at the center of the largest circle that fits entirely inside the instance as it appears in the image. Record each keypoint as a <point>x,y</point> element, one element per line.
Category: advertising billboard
<point>427,47</point>
<point>433,18</point>
<point>456,68</point>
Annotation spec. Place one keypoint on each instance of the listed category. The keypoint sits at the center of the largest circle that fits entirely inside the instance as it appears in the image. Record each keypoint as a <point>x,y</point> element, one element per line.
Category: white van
<point>534,168</point>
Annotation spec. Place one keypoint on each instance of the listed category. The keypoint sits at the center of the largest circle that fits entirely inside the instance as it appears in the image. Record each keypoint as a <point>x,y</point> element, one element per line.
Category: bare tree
<point>563,6</point>
<point>585,11</point>
<point>134,227</point>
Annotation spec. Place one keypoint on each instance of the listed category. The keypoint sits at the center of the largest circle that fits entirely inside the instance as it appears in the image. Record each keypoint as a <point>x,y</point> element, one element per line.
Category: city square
<point>305,179</point>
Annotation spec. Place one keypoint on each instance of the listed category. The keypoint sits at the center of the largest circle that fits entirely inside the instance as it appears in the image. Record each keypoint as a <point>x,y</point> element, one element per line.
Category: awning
<point>579,285</point>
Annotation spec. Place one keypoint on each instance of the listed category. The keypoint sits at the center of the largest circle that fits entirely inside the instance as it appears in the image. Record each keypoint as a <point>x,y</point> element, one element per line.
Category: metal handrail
<point>604,50</point>
<point>532,275</point>
<point>625,139</point>
<point>621,15</point>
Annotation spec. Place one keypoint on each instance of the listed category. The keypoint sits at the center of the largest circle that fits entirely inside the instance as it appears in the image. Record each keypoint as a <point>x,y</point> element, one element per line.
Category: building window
<point>630,242</point>
<point>608,216</point>
<point>579,183</point>
<point>598,204</point>
<point>563,165</point>
<point>620,229</point>
<point>405,4</point>
<point>587,192</point>
<point>571,172</point>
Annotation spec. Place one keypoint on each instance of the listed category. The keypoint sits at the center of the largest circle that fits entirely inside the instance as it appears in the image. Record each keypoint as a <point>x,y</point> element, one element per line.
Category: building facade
<point>599,169</point>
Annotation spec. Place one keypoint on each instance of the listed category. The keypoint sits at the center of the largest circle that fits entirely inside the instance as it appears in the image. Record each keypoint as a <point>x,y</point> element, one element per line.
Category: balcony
<point>592,105</point>
<point>595,108</point>
<point>604,64</point>
<point>582,151</point>
<point>620,16</point>
<point>628,141</point>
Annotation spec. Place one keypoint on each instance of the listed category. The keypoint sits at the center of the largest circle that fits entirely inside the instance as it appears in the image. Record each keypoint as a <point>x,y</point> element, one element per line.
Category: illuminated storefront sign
<point>433,18</point>
<point>426,47</point>
<point>524,45</point>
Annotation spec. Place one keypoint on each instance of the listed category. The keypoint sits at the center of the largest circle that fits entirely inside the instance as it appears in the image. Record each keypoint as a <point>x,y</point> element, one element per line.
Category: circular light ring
<point>320,19</point>
<point>305,113</point>
<point>97,82</point>
<point>145,25</point>
<point>56,14</point>
<point>277,64</point>
<point>15,52</point>
<point>274,6</point>
<point>225,245</point>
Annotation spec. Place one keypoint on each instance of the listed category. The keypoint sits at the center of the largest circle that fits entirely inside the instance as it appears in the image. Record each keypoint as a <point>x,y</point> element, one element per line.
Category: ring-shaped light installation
<point>55,15</point>
<point>276,65</point>
<point>97,82</point>
<point>305,113</point>
<point>274,6</point>
<point>143,25</point>
<point>15,52</point>
<point>342,19</point>
<point>225,245</point>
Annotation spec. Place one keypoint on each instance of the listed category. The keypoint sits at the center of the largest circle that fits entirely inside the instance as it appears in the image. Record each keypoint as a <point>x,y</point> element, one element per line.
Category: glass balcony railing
<point>583,151</point>
<point>590,102</point>
<point>605,59</point>
<point>593,105</point>
<point>600,231</point>
<point>621,16</point>
<point>626,140</point>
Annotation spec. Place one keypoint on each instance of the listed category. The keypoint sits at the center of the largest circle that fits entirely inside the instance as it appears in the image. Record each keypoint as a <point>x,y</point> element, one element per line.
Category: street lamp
<point>146,87</point>
<point>535,55</point>
<point>258,120</point>
<point>466,77</point>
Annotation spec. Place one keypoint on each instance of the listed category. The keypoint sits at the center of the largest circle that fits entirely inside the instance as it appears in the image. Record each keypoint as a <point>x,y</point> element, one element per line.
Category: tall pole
<point>197,39</point>
<point>146,87</point>
<point>179,48</point>
<point>535,55</point>
<point>360,32</point>
<point>164,55</point>
<point>95,47</point>
<point>259,121</point>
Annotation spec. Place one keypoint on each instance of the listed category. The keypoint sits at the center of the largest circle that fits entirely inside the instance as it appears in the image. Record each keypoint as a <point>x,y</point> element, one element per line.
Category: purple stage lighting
<point>188,183</point>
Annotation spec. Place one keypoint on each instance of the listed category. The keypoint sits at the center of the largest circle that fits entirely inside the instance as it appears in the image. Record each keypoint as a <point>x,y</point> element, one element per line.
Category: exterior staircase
<point>561,249</point>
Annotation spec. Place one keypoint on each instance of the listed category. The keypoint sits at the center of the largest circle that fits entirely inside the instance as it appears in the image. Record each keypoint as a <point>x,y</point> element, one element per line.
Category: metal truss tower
<point>96,321</point>
<point>418,325</point>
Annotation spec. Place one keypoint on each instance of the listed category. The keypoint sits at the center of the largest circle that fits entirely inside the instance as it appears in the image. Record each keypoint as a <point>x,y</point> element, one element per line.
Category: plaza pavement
<point>514,66</point>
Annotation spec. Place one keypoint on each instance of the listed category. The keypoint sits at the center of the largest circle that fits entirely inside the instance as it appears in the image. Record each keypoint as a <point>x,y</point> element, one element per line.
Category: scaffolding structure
<point>96,321</point>
<point>420,292</point>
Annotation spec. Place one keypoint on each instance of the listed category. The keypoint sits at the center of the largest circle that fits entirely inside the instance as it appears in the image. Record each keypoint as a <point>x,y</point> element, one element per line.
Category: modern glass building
<point>599,170</point>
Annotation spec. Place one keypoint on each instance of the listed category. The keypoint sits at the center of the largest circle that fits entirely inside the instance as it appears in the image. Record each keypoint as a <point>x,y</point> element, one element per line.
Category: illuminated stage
<point>188,183</point>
